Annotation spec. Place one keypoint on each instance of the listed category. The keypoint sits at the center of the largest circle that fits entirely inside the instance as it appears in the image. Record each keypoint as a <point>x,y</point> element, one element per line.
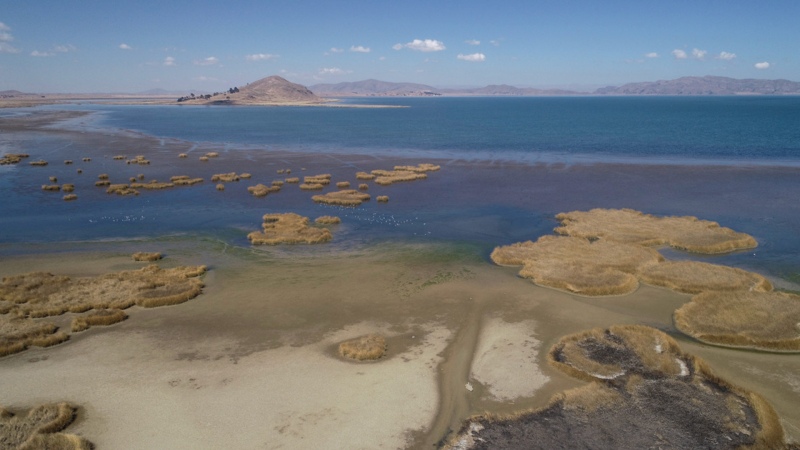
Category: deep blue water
<point>654,129</point>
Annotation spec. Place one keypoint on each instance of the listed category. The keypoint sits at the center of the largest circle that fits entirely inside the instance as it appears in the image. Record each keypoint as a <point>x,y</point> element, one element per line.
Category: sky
<point>83,46</point>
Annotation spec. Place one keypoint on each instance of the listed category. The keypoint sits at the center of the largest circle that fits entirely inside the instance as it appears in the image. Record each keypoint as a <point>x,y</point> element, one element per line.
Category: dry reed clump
<point>343,184</point>
<point>245,176</point>
<point>282,171</point>
<point>121,189</point>
<point>70,197</point>
<point>225,177</point>
<point>184,180</point>
<point>292,180</point>
<point>140,160</point>
<point>68,187</point>
<point>323,179</point>
<point>768,321</point>
<point>26,297</point>
<point>39,163</point>
<point>387,177</point>
<point>146,256</point>
<point>12,158</point>
<point>262,190</point>
<point>102,176</point>
<point>277,183</point>
<point>87,160</point>
<point>119,157</point>
<point>220,187</point>
<point>288,228</point>
<point>382,199</point>
<point>53,180</point>
<point>348,197</point>
<point>643,391</point>
<point>420,168</point>
<point>182,155</point>
<point>578,265</point>
<point>132,179</point>
<point>80,170</point>
<point>203,158</point>
<point>102,317</point>
<point>327,220</point>
<point>67,162</point>
<point>312,187</point>
<point>694,277</point>
<point>363,187</point>
<point>102,183</point>
<point>365,348</point>
<point>212,154</point>
<point>140,176</point>
<point>364,176</point>
<point>629,226</point>
<point>152,185</point>
<point>51,187</point>
<point>39,429</point>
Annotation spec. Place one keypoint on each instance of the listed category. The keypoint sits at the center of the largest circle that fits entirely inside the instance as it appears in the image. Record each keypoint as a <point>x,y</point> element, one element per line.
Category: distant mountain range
<point>708,85</point>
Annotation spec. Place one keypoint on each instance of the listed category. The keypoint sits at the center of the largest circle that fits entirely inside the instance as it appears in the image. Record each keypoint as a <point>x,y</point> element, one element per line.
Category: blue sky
<point>103,46</point>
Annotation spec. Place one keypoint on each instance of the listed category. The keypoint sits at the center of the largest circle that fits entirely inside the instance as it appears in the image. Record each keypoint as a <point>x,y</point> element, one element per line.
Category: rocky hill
<point>272,90</point>
<point>707,85</point>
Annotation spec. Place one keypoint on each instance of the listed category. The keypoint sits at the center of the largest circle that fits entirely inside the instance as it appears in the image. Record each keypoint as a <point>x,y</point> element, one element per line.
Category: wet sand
<point>252,361</point>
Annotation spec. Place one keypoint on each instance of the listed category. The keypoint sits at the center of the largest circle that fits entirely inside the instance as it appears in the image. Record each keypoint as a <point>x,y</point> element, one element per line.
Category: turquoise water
<point>642,129</point>
<point>509,166</point>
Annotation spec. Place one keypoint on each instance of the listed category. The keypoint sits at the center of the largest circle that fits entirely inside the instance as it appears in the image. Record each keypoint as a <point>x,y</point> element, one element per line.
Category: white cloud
<point>679,54</point>
<point>210,61</point>
<point>472,42</point>
<point>495,42</point>
<point>726,56</point>
<point>64,48</point>
<point>699,54</point>
<point>5,38</point>
<point>422,45</point>
<point>260,57</point>
<point>762,65</point>
<point>475,57</point>
<point>333,71</point>
<point>125,46</point>
<point>205,79</point>
<point>651,55</point>
<point>360,49</point>
<point>41,54</point>
<point>336,50</point>
<point>169,61</point>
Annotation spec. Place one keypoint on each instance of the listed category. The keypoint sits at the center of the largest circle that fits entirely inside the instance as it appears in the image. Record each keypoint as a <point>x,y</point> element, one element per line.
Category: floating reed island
<point>12,158</point>
<point>327,220</point>
<point>40,428</point>
<point>347,197</point>
<point>626,225</point>
<point>643,392</point>
<point>288,228</point>
<point>28,297</point>
<point>39,163</point>
<point>365,348</point>
<point>184,180</point>
<point>225,177</point>
<point>766,321</point>
<point>262,190</point>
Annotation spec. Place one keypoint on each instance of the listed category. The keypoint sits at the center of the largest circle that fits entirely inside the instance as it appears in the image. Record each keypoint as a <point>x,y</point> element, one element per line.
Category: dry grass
<point>12,158</point>
<point>225,177</point>
<point>220,187</point>
<point>245,176</point>
<point>53,180</point>
<point>119,157</point>
<point>86,159</point>
<point>261,190</point>
<point>102,317</point>
<point>102,176</point>
<point>343,184</point>
<point>387,177</point>
<point>382,199</point>
<point>140,160</point>
<point>312,187</point>
<point>70,197</point>
<point>323,179</point>
<point>347,197</point>
<point>27,297</point>
<point>767,321</point>
<point>578,265</point>
<point>140,176</point>
<point>694,277</point>
<point>51,187</point>
<point>146,256</point>
<point>67,161</point>
<point>327,220</point>
<point>184,180</point>
<point>102,183</point>
<point>364,176</point>
<point>39,429</point>
<point>629,226</point>
<point>152,185</point>
<point>120,189</point>
<point>419,168</point>
<point>363,187</point>
<point>39,163</point>
<point>182,155</point>
<point>212,154</point>
<point>68,187</point>
<point>365,348</point>
<point>292,180</point>
<point>203,158</point>
<point>277,183</point>
<point>288,228</point>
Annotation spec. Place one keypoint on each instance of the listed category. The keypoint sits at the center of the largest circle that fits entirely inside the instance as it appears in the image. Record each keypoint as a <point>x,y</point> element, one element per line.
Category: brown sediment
<point>225,177</point>
<point>348,197</point>
<point>101,317</point>
<point>26,297</point>
<point>146,256</point>
<point>387,177</point>
<point>693,277</point>
<point>51,187</point>
<point>626,225</point>
<point>364,176</point>
<point>767,321</point>
<point>40,162</point>
<point>12,158</point>
<point>70,197</point>
<point>327,220</point>
<point>39,429</point>
<point>363,187</point>
<point>288,228</point>
<point>578,265</point>
<point>644,391</point>
<point>262,190</point>
<point>365,348</point>
<point>382,198</point>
